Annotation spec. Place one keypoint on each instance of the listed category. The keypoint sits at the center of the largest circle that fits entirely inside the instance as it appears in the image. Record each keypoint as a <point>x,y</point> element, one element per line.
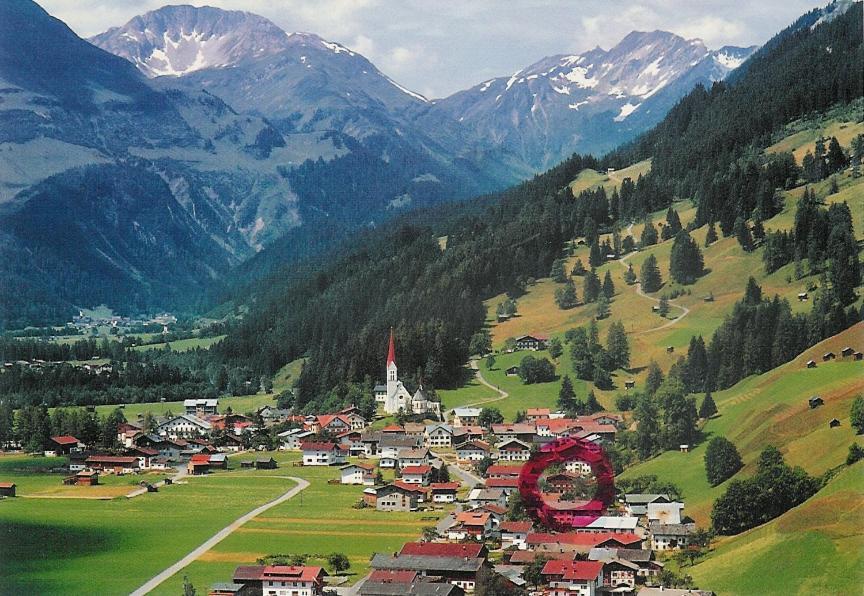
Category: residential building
<point>357,474</point>
<point>466,416</point>
<point>475,525</point>
<point>184,426</point>
<point>473,451</point>
<point>508,485</point>
<point>503,471</point>
<point>479,497</point>
<point>291,439</point>
<point>64,445</point>
<point>670,536</point>
<point>515,534</point>
<point>113,463</point>
<point>372,587</point>
<point>395,498</point>
<point>534,414</point>
<point>572,578</point>
<point>637,503</point>
<point>416,474</point>
<point>444,492</point>
<point>523,431</point>
<point>439,435</point>
<point>281,580</point>
<point>665,513</point>
<point>201,407</point>
<point>321,454</point>
<point>460,571</point>
<point>514,450</point>
<point>413,457</point>
<point>531,342</point>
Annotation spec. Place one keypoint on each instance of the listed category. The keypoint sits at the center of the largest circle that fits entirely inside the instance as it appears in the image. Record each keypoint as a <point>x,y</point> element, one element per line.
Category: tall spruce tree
<point>650,275</point>
<point>685,260</point>
<point>617,345</point>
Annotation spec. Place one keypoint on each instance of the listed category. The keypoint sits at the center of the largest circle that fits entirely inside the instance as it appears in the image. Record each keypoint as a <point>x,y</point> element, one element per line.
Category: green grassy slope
<point>815,548</point>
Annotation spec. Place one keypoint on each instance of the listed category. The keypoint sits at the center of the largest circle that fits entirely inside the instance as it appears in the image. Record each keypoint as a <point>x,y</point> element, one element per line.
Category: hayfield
<point>815,548</point>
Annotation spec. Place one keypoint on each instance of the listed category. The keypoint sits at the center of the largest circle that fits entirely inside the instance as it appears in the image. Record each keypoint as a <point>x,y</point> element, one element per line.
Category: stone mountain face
<point>588,102</point>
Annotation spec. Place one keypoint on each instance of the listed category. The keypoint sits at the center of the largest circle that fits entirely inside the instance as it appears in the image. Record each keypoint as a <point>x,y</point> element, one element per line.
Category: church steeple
<point>391,352</point>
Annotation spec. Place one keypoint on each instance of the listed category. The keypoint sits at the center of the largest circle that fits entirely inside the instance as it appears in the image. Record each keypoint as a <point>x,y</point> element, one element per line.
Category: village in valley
<point>458,470</point>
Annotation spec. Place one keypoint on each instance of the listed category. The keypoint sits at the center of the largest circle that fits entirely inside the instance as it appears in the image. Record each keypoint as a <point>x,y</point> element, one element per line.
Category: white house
<point>515,534</point>
<point>413,457</point>
<point>184,425</point>
<point>514,450</point>
<point>416,474</point>
<point>444,492</point>
<point>291,439</point>
<point>609,523</point>
<point>473,451</point>
<point>578,467</point>
<point>283,580</point>
<point>321,454</point>
<point>439,435</point>
<point>670,536</point>
<point>665,513</point>
<point>358,474</point>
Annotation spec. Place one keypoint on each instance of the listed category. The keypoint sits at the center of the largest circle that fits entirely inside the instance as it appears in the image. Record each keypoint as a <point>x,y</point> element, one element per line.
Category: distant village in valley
<point>461,466</point>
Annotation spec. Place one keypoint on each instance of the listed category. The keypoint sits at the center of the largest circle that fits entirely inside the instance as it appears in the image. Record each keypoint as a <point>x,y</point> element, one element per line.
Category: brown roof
<point>65,440</point>
<point>516,526</point>
<point>317,446</point>
<point>7,485</point>
<point>442,549</point>
<point>388,576</point>
<point>112,459</point>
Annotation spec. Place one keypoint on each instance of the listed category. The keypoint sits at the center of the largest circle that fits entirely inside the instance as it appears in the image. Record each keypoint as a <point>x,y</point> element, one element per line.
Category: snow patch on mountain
<point>627,109</point>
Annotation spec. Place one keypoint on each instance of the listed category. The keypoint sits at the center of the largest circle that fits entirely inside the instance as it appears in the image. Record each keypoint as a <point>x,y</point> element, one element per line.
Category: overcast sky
<point>437,47</point>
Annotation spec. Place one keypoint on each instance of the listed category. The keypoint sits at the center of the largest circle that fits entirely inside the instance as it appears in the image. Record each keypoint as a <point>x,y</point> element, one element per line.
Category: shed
<point>815,401</point>
<point>811,364</point>
<point>629,384</point>
<point>7,489</point>
<point>847,351</point>
<point>858,356</point>
<point>512,371</point>
<point>265,463</point>
<point>828,356</point>
<point>87,478</point>
<point>833,423</point>
<point>670,349</point>
<point>684,448</point>
<point>802,296</point>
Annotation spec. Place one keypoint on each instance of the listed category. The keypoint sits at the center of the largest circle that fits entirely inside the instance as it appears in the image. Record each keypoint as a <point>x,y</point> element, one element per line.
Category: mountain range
<point>186,141</point>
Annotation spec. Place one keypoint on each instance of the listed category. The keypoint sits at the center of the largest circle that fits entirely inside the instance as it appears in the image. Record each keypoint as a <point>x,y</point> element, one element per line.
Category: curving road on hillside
<point>219,537</point>
<point>684,310</point>
<point>479,376</point>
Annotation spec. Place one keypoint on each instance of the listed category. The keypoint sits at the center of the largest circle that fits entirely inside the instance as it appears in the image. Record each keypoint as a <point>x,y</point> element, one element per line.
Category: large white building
<point>395,397</point>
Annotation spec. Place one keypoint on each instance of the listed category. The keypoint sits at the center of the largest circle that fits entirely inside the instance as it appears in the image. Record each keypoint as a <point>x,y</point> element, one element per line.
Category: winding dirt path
<point>479,376</point>
<point>638,285</point>
<point>219,537</point>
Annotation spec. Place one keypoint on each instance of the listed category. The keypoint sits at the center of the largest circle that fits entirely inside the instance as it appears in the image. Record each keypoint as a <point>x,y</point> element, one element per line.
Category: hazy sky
<point>437,47</point>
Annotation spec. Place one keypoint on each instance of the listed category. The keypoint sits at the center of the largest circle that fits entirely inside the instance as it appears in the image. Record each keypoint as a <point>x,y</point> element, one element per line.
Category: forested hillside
<point>707,150</point>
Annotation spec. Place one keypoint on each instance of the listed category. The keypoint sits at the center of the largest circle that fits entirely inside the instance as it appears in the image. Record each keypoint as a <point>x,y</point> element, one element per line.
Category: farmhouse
<point>469,525</point>
<point>321,454</point>
<point>458,570</point>
<point>636,504</point>
<point>416,474</point>
<point>444,492</point>
<point>281,580</point>
<point>665,513</point>
<point>351,440</point>
<point>579,467</point>
<point>357,474</point>
<point>534,414</point>
<point>473,451</point>
<point>65,444</point>
<point>669,536</point>
<point>503,471</point>
<point>413,457</point>
<point>291,439</point>
<point>395,498</point>
<point>333,424</point>
<point>531,342</point>
<point>7,489</point>
<point>515,533</point>
<point>508,485</point>
<point>572,578</point>
<point>394,586</point>
<point>145,456</point>
<point>522,430</point>
<point>466,416</point>
<point>185,425</point>
<point>113,463</point>
<point>439,435</point>
<point>514,450</point>
<point>478,497</point>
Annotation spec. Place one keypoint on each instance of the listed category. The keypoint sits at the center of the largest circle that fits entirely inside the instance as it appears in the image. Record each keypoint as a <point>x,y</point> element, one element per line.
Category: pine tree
<point>835,159</point>
<point>742,234</point>
<point>630,275</point>
<point>673,224</point>
<point>649,235</point>
<point>566,396</point>
<point>650,275</point>
<point>591,403</point>
<point>591,287</point>
<point>711,235</point>
<point>647,427</point>
<point>602,307</point>
<point>663,306</point>
<point>708,408</point>
<point>595,258</point>
<point>565,296</point>
<point>578,268</point>
<point>654,378</point>
<point>608,286</point>
<point>685,260</point>
<point>617,345</point>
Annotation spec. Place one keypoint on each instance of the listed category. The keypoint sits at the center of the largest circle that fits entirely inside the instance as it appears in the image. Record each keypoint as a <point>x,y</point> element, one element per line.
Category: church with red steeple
<point>395,397</point>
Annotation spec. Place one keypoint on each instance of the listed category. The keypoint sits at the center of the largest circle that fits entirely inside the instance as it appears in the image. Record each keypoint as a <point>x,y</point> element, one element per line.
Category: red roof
<point>293,572</point>
<point>326,419</point>
<point>442,549</point>
<point>317,446</point>
<point>411,487</point>
<point>444,486</point>
<point>494,508</point>
<point>200,458</point>
<point>65,440</point>
<point>391,350</point>
<point>573,570</point>
<point>416,470</point>
<point>500,470</point>
<point>7,484</point>
<point>144,451</point>
<point>537,412</point>
<point>516,526</point>
<point>393,428</point>
<point>387,576</point>
<point>503,482</point>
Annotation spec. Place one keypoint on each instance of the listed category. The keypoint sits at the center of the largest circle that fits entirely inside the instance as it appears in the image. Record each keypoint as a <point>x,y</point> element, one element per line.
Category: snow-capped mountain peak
<point>176,40</point>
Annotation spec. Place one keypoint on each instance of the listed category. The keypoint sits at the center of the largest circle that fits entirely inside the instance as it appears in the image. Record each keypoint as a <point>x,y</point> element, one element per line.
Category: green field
<point>815,548</point>
<point>771,409</point>
<point>240,404</point>
<point>78,545</point>
<point>183,345</point>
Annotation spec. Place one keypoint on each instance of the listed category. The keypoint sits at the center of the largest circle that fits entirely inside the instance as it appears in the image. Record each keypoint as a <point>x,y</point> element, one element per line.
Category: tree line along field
<point>727,267</point>
<point>53,546</point>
